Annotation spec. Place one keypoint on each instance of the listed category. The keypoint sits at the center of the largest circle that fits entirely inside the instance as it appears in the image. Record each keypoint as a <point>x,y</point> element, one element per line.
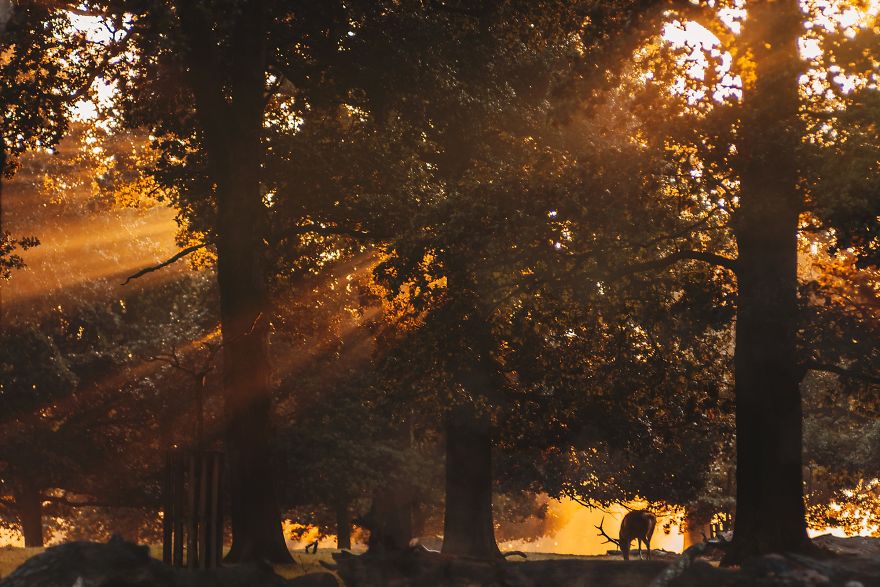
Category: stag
<point>638,524</point>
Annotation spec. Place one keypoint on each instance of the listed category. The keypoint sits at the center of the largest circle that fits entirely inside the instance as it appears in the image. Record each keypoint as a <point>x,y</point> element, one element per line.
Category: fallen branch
<point>177,257</point>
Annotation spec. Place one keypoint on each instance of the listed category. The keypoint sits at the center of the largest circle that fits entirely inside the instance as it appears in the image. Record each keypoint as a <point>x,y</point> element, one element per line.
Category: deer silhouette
<point>637,524</point>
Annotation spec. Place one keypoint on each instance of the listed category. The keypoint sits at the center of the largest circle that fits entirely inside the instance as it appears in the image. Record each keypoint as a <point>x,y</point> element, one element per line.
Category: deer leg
<point>639,540</point>
<point>648,545</point>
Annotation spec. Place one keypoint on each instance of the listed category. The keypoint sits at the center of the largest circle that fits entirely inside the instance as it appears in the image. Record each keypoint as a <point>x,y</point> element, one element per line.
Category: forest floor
<point>11,557</point>
<point>858,559</point>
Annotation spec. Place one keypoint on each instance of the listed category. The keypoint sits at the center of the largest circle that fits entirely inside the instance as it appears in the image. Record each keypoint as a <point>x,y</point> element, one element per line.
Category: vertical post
<point>204,526</point>
<point>192,523</point>
<point>168,509</point>
<point>219,484</point>
<point>215,533</point>
<point>178,508</point>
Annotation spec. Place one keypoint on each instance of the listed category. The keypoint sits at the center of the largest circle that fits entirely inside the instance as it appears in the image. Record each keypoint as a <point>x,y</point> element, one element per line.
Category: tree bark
<point>29,503</point>
<point>231,120</point>
<point>254,512</point>
<point>343,525</point>
<point>390,521</point>
<point>468,527</point>
<point>770,508</point>
<point>2,230</point>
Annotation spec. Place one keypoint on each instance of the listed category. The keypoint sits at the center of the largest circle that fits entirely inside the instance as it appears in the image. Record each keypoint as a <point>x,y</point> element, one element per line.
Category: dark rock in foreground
<point>122,564</point>
<point>851,562</point>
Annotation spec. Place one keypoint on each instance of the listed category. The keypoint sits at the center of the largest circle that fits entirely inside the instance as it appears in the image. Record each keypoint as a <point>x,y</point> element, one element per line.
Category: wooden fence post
<point>192,509</point>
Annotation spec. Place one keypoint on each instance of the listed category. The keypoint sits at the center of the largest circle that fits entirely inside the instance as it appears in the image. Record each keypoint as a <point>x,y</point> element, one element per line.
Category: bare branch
<point>841,371</point>
<point>178,256</point>
<point>673,258</point>
<point>110,52</point>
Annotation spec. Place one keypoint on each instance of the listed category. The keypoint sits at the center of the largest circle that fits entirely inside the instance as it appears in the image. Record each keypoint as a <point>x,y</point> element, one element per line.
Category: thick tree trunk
<point>468,525</point>
<point>770,507</point>
<point>29,504</point>
<point>256,527</point>
<point>419,518</point>
<point>231,120</point>
<point>343,525</point>
<point>2,230</point>
<point>468,528</point>
<point>390,521</point>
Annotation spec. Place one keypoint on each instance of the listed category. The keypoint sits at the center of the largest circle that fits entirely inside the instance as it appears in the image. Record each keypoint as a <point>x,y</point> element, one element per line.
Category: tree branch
<point>110,52</point>
<point>90,502</point>
<point>178,256</point>
<point>673,258</point>
<point>841,371</point>
<point>321,229</point>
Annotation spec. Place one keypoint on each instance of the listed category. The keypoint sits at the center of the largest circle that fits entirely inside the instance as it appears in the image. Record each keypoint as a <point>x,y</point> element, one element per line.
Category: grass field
<point>11,557</point>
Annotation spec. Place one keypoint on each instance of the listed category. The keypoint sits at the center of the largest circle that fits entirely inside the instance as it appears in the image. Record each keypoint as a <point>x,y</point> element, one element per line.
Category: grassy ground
<point>11,557</point>
<point>306,563</point>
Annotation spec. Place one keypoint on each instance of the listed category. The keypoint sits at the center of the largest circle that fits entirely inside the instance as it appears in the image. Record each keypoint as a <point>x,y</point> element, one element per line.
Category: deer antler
<point>607,537</point>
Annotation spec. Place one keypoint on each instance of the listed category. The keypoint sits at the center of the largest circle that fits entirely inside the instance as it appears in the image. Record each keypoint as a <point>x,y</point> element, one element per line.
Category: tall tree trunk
<point>254,512</point>
<point>2,230</point>
<point>231,120</point>
<point>468,526</point>
<point>769,495</point>
<point>343,525</point>
<point>29,504</point>
<point>389,520</point>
